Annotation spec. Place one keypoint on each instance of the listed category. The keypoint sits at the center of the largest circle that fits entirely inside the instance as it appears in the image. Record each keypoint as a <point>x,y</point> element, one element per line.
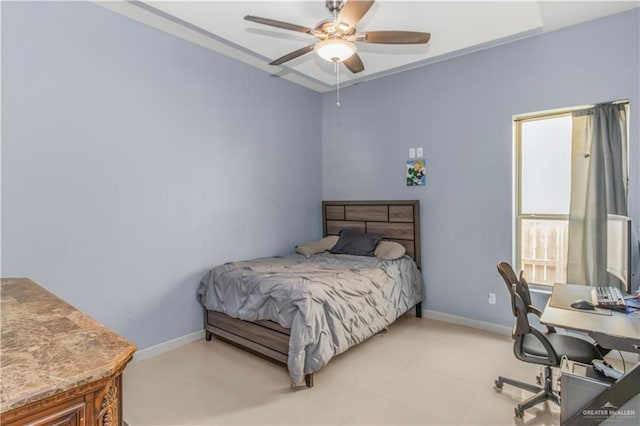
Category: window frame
<point>517,176</point>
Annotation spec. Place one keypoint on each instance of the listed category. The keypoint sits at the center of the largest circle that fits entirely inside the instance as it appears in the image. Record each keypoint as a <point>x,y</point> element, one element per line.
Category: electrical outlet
<point>492,298</point>
<point>419,152</point>
<point>412,153</point>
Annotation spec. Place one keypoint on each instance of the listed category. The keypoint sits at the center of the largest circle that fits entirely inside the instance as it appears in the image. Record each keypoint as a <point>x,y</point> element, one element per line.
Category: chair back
<point>521,286</point>
<point>507,273</point>
<point>510,279</point>
<point>523,290</point>
<point>522,320</point>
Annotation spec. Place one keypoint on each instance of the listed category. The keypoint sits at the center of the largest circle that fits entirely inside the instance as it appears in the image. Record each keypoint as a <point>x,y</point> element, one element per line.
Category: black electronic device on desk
<point>608,297</point>
<point>583,305</point>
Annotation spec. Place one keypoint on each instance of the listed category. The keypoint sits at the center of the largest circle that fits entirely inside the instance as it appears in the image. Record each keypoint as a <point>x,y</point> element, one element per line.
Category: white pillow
<point>324,244</point>
<point>389,250</point>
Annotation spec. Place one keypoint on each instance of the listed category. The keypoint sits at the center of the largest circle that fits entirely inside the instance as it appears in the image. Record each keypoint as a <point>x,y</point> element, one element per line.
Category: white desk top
<point>618,330</point>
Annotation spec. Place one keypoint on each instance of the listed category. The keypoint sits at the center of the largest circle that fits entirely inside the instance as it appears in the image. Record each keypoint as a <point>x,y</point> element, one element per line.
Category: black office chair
<point>522,287</point>
<point>530,345</point>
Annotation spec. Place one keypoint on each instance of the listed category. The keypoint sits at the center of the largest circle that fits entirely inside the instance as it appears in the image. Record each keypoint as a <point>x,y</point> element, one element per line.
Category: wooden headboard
<point>397,221</point>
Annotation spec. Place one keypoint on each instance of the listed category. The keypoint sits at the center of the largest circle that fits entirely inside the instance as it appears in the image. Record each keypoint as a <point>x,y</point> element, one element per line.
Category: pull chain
<point>337,70</point>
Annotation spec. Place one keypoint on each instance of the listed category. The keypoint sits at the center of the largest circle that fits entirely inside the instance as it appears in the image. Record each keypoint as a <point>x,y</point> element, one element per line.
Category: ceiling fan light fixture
<point>335,50</point>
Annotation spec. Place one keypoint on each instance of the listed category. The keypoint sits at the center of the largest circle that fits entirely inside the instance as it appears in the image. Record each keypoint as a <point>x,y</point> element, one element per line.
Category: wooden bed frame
<point>397,221</point>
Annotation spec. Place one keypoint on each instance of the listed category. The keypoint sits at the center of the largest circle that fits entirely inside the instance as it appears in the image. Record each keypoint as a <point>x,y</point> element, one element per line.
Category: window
<point>544,193</point>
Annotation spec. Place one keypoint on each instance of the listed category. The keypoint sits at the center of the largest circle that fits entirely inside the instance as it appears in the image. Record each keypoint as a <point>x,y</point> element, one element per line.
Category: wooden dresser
<point>58,366</point>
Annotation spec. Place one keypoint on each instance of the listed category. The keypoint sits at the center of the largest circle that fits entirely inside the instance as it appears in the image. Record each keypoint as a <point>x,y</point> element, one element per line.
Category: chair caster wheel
<point>518,412</point>
<point>498,385</point>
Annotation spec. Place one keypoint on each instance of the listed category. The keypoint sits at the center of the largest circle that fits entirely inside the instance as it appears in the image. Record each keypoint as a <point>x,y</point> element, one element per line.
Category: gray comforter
<point>330,302</point>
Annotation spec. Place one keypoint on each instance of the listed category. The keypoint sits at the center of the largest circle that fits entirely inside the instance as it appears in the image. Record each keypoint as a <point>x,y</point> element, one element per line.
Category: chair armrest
<point>537,312</point>
<point>551,353</point>
<point>534,310</point>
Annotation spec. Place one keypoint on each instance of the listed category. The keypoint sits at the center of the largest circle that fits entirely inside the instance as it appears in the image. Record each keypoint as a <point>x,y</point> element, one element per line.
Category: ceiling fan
<point>337,36</point>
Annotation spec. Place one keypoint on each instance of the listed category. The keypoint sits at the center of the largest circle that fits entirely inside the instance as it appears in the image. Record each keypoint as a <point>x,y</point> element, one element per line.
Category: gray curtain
<point>598,188</point>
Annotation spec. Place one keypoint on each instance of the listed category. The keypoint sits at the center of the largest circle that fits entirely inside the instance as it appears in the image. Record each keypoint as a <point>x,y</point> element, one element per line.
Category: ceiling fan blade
<point>292,55</point>
<point>354,10</point>
<point>396,37</point>
<point>278,24</point>
<point>354,63</point>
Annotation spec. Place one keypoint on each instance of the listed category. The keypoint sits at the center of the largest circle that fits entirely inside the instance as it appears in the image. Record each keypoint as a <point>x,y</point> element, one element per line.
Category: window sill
<point>540,289</point>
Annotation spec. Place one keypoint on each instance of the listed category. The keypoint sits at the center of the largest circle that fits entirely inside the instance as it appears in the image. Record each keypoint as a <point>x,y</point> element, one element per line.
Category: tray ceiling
<point>456,27</point>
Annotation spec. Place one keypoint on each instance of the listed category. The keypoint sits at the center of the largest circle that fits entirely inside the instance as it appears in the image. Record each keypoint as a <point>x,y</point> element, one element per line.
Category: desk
<point>617,331</point>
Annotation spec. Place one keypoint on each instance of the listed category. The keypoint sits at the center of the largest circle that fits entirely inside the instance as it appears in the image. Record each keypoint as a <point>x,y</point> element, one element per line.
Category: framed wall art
<point>416,172</point>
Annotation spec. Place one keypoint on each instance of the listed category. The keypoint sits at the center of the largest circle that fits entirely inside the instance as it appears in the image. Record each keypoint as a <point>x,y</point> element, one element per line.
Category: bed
<point>302,311</point>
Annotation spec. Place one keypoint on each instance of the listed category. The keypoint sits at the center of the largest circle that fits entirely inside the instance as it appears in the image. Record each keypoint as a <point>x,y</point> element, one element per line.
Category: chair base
<point>541,394</point>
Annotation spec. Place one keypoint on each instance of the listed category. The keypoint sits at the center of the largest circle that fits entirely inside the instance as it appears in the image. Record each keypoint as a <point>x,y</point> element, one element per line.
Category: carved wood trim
<point>33,407</point>
<point>108,415</point>
<point>105,392</point>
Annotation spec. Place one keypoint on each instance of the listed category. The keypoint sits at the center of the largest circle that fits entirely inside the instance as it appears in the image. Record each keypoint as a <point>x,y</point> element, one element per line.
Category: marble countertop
<point>48,346</point>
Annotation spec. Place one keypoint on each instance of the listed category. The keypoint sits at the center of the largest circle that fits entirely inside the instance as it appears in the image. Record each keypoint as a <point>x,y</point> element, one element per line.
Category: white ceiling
<point>456,27</point>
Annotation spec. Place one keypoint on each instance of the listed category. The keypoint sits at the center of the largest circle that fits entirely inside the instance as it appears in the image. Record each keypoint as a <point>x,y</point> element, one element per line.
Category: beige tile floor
<point>421,372</point>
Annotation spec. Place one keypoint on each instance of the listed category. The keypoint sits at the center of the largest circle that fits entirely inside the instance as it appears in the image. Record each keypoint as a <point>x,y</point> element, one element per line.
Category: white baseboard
<point>163,347</point>
<point>467,322</point>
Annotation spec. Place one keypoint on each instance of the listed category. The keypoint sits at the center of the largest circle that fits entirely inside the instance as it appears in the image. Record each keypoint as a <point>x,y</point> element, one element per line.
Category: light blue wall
<point>460,111</point>
<point>133,161</point>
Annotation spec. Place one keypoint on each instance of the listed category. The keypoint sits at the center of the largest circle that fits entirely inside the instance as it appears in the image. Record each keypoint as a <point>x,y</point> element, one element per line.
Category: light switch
<point>419,152</point>
<point>412,153</point>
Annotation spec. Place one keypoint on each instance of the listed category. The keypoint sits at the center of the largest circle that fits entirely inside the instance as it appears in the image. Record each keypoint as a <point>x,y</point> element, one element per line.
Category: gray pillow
<point>357,243</point>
